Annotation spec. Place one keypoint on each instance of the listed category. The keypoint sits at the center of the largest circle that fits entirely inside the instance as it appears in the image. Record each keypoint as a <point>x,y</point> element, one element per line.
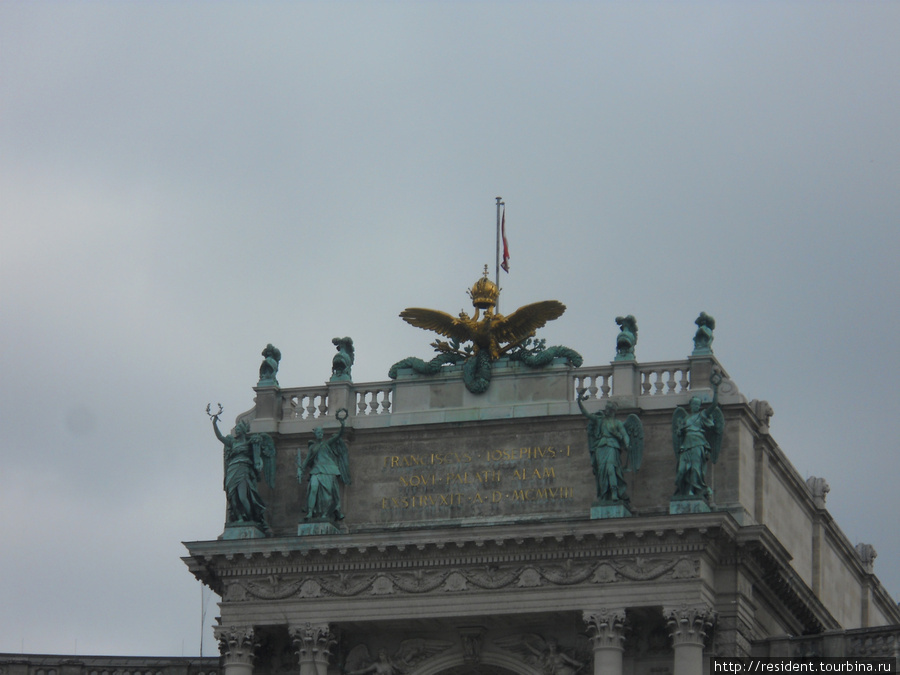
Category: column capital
<point>606,627</point>
<point>689,624</point>
<point>237,644</point>
<point>312,640</point>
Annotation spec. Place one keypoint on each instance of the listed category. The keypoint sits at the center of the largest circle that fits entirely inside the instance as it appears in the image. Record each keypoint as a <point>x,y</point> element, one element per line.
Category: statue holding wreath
<point>328,467</point>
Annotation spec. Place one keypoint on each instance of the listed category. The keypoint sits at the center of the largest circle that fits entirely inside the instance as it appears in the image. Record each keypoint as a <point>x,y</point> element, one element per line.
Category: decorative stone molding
<point>462,580</point>
<point>643,569</point>
<point>606,628</point>
<point>689,624</point>
<point>543,654</point>
<point>472,638</point>
<point>237,644</point>
<point>883,644</point>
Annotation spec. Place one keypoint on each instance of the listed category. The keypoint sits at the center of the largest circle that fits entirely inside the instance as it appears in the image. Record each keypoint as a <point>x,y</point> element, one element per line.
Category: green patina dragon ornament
<point>491,335</point>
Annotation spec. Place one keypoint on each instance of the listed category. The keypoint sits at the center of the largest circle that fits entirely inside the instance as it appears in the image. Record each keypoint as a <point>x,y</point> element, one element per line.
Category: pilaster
<point>312,645</point>
<point>688,626</point>
<point>606,628</point>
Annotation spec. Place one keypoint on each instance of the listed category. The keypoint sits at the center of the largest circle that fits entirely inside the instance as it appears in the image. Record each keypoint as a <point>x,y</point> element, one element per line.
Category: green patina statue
<point>327,465</point>
<point>608,438</point>
<point>697,439</point>
<point>492,335</point>
<point>627,338</point>
<point>247,458</point>
<point>343,360</point>
<point>704,336</point>
<point>268,369</point>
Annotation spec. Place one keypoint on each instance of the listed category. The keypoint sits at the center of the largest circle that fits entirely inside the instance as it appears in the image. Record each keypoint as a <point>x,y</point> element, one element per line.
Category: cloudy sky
<point>181,183</point>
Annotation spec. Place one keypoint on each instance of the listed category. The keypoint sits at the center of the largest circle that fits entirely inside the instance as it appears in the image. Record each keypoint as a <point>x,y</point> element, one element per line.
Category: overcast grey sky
<point>181,183</point>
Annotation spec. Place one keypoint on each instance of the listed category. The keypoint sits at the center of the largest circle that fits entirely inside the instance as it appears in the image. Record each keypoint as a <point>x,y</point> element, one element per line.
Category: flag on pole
<point>505,263</point>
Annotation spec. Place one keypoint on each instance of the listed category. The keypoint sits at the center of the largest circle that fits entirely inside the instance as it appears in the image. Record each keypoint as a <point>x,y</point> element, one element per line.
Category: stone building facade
<point>471,541</point>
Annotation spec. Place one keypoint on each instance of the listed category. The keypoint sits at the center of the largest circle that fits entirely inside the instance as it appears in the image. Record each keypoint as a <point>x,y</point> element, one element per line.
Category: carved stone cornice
<point>548,540</point>
<point>237,644</point>
<point>606,628</point>
<point>689,624</point>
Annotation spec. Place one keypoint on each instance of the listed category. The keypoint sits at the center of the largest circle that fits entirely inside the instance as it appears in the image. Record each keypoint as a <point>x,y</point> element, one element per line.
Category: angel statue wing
<point>440,322</point>
<point>635,431</point>
<point>715,433</point>
<point>342,452</point>
<point>678,420</point>
<point>522,323</point>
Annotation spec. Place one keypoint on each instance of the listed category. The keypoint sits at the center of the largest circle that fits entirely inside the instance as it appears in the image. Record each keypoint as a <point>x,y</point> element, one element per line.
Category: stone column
<point>607,632</point>
<point>312,644</point>
<point>237,645</point>
<point>688,627</point>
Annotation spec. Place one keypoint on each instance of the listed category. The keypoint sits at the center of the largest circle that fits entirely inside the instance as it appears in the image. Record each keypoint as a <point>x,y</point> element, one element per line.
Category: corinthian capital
<point>236,643</point>
<point>606,627</point>
<point>312,641</point>
<point>689,624</point>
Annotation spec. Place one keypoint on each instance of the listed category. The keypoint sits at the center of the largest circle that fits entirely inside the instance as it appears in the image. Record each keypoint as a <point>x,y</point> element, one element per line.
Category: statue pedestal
<point>679,505</point>
<point>317,527</point>
<point>609,510</point>
<point>242,531</point>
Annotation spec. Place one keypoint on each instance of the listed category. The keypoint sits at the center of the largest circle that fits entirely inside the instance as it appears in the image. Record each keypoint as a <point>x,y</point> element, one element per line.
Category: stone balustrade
<point>515,391</point>
<point>665,377</point>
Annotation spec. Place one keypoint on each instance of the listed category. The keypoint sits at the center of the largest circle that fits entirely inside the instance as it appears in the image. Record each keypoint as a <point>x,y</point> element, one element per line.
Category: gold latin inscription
<point>477,477</point>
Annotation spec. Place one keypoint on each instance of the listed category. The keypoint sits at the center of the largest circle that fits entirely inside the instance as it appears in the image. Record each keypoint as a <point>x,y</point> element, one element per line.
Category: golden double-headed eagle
<point>494,333</point>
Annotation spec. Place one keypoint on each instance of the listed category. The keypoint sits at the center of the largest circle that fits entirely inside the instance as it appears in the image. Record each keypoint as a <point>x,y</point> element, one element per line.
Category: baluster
<point>578,381</point>
<point>658,385</point>
<point>645,382</point>
<point>323,405</point>
<point>361,402</point>
<point>310,406</point>
<point>386,402</point>
<point>607,385</point>
<point>594,388</point>
<point>670,382</point>
<point>685,383</point>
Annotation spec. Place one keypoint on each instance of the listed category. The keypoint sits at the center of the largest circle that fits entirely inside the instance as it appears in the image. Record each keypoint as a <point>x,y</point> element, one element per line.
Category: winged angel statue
<point>544,654</point>
<point>410,653</point>
<point>607,439</point>
<point>491,334</point>
<point>696,439</point>
<point>247,457</point>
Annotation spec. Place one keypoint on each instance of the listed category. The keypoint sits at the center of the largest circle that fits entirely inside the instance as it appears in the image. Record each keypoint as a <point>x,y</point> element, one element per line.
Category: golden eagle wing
<point>439,322</point>
<point>526,320</point>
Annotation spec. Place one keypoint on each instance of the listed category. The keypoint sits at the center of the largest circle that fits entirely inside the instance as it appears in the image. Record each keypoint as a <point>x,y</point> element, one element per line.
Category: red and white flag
<point>505,263</point>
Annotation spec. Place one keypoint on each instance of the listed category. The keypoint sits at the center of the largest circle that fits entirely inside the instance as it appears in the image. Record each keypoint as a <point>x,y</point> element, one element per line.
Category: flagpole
<point>500,203</point>
<point>497,257</point>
